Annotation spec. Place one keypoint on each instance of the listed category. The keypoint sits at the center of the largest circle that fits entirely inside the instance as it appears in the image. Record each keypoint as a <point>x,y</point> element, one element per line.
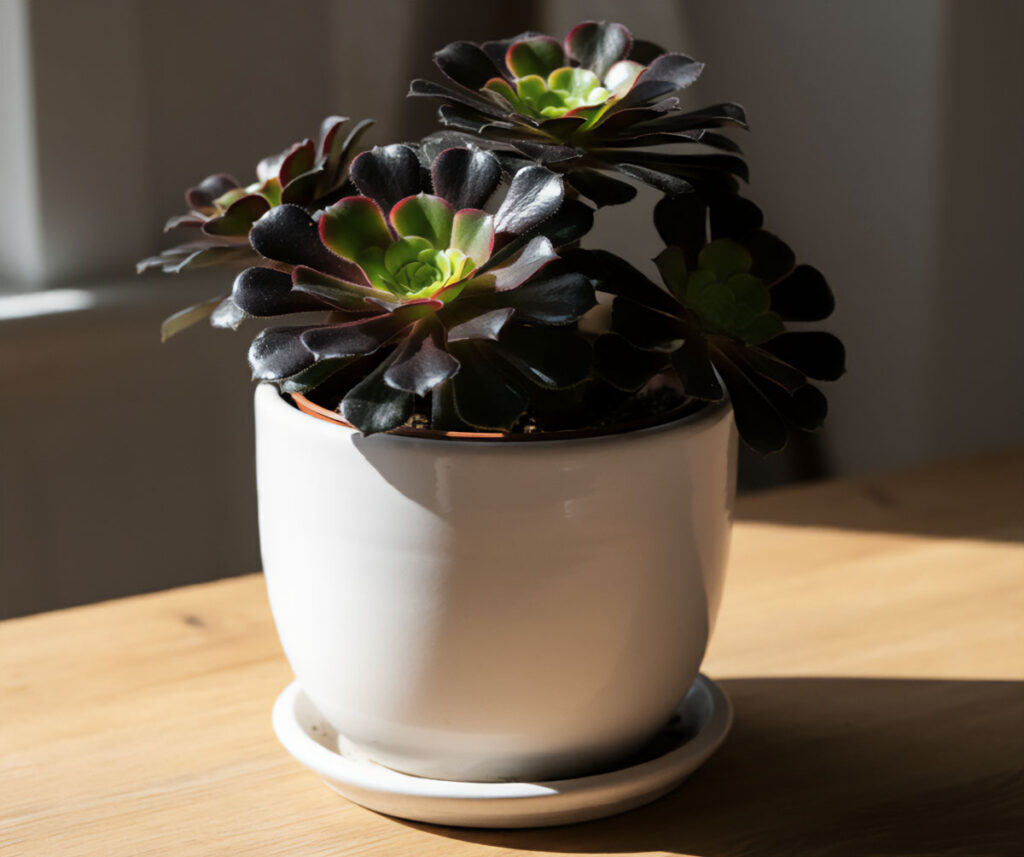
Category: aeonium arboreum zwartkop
<point>595,104</point>
<point>449,274</point>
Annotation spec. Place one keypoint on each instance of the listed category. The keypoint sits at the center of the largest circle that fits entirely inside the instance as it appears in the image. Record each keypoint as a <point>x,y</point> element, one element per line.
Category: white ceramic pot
<point>481,611</point>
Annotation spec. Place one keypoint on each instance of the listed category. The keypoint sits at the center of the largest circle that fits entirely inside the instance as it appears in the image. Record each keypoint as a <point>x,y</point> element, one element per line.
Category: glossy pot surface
<point>482,611</point>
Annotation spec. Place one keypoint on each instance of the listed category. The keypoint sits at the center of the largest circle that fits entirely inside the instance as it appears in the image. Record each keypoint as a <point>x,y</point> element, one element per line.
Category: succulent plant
<point>431,296</point>
<point>221,211</point>
<point>722,319</point>
<point>588,107</point>
<point>438,308</point>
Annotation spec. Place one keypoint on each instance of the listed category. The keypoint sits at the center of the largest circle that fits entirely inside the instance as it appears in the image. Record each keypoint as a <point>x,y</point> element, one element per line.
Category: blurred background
<point>885,147</point>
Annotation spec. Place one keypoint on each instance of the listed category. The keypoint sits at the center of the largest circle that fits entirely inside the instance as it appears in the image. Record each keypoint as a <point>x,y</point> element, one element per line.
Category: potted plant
<point>496,470</point>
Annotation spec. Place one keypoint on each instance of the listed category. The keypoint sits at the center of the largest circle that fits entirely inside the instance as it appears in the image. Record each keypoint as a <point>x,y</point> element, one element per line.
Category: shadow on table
<point>972,498</point>
<point>827,767</point>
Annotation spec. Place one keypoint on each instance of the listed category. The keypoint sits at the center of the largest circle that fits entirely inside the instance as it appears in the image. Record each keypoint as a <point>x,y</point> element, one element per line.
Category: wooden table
<point>872,641</point>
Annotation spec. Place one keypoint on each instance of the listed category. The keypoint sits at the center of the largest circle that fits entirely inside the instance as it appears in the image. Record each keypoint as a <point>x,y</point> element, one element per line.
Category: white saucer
<point>698,727</point>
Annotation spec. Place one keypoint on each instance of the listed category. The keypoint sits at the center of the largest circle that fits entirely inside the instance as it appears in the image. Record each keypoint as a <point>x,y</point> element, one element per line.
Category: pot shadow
<point>971,498</point>
<point>832,768</point>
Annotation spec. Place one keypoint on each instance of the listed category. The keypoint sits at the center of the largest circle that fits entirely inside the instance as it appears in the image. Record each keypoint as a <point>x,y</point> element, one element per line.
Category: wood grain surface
<point>871,638</point>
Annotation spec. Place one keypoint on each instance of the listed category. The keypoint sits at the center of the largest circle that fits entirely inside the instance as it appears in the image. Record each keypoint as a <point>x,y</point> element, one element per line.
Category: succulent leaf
<point>534,195</point>
<point>803,296</point>
<point>184,318</point>
<point>484,396</point>
<point>374,406</point>
<point>425,216</point>
<point>817,354</point>
<point>278,352</point>
<point>465,177</point>
<point>364,336</point>
<point>597,46</point>
<point>473,234</point>
<point>264,292</point>
<point>288,234</point>
<point>421,362</point>
<point>539,55</point>
<point>477,325</point>
<point>387,174</point>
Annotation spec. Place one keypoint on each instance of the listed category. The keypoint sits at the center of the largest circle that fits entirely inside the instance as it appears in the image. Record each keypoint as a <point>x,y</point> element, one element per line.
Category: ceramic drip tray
<point>699,726</point>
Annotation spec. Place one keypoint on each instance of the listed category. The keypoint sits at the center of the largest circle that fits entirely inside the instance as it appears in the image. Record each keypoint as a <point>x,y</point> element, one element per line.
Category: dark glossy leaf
<point>758,362</point>
<point>645,52</point>
<point>302,190</point>
<point>629,139</point>
<point>329,140</point>
<point>661,181</point>
<point>421,363</point>
<point>512,273</point>
<point>209,189</point>
<point>337,151</point>
<point>299,160</point>
<point>465,177</point>
<point>624,122</point>
<point>714,116</point>
<point>546,153</point>
<point>534,195</point>
<point>288,234</point>
<point>562,127</point>
<point>365,336</point>
<point>553,357</point>
<point>757,420</point>
<point>227,315</point>
<point>313,377</point>
<point>190,220</point>
<point>185,318</point>
<point>720,141</point>
<point>338,293</point>
<point>431,89</point>
<point>466,321</point>
<point>466,119</point>
<point>601,188</point>
<point>692,362</point>
<point>643,326</point>
<point>374,406</point>
<point>557,296</point>
<point>667,74</point>
<point>674,270</point>
<point>772,257</point>
<point>732,216</point>
<point>681,222</point>
<point>195,255</point>
<point>683,166</point>
<point>598,45</point>
<point>278,352</point>
<point>239,217</point>
<point>817,354</point>
<point>806,408</point>
<point>264,292</point>
<point>570,223</point>
<point>803,296</point>
<point>484,396</point>
<point>466,64</point>
<point>387,174</point>
<point>443,416</point>
<point>440,141</point>
<point>614,275</point>
<point>625,366</point>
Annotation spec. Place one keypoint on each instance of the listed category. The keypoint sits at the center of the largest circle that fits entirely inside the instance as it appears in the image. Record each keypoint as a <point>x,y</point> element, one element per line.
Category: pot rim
<point>687,414</point>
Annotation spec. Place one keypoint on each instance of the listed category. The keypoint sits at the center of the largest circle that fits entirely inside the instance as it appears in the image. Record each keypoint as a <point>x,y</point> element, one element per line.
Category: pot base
<point>699,726</point>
